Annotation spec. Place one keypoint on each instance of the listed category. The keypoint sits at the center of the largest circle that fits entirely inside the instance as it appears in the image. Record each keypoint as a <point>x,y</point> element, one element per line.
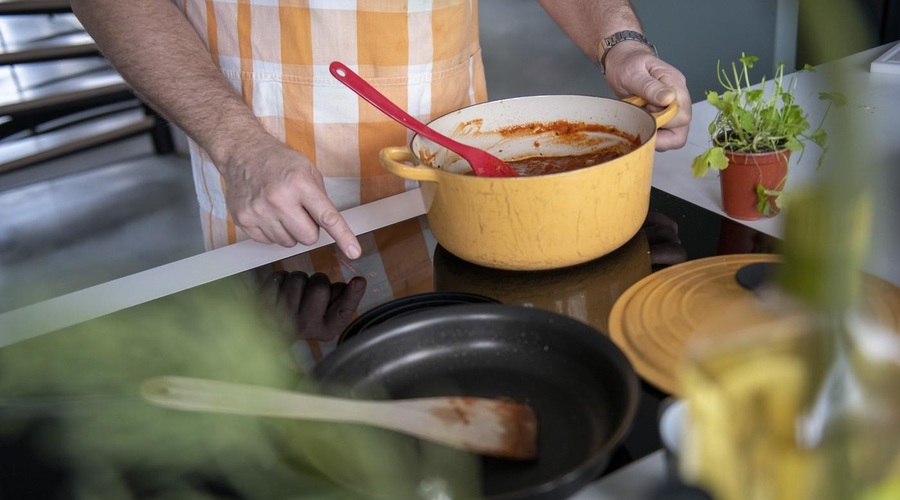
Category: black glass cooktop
<point>78,374</point>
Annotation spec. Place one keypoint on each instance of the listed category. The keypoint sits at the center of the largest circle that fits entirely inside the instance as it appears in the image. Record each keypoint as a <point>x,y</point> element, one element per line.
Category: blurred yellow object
<point>742,401</point>
<point>750,395</point>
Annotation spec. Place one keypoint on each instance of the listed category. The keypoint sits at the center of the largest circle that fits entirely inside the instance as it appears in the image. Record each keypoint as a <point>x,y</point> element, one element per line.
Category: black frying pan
<point>582,387</point>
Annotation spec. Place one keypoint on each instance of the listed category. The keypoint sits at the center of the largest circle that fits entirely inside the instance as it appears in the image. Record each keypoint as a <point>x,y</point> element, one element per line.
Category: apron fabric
<point>423,55</point>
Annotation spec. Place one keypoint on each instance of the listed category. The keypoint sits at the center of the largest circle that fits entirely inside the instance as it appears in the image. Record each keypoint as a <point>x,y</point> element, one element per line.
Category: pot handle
<point>662,117</point>
<point>392,156</point>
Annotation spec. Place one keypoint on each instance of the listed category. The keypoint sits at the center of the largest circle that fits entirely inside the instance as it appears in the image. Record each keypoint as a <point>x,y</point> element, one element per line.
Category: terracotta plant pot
<point>744,173</point>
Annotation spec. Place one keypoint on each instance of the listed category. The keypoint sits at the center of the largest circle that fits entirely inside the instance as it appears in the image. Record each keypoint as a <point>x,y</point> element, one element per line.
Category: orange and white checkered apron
<point>422,54</point>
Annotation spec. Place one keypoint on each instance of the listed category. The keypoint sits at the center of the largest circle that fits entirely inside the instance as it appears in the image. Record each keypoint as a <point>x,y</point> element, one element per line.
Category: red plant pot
<point>744,173</point>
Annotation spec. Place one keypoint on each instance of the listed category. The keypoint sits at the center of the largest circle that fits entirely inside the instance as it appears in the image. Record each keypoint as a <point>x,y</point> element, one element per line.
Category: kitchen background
<point>85,197</point>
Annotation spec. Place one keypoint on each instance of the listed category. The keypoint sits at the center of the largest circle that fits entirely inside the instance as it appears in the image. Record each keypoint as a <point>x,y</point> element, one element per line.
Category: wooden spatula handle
<point>224,397</point>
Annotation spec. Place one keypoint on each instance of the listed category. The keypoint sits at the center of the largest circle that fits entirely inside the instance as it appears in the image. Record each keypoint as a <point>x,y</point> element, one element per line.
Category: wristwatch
<point>621,36</point>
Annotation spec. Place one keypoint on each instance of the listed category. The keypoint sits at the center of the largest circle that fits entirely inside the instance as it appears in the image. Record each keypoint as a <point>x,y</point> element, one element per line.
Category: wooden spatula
<point>485,426</point>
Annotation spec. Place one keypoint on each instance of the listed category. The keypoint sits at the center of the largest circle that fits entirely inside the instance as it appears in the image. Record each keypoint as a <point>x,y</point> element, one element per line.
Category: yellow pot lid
<point>654,319</point>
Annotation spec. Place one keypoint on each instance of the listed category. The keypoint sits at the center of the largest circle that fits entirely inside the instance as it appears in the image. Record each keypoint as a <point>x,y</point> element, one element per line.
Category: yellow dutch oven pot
<point>541,222</point>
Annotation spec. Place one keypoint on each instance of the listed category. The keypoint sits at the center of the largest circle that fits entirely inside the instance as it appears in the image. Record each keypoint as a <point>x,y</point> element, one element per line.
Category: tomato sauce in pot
<point>578,135</point>
<point>546,165</point>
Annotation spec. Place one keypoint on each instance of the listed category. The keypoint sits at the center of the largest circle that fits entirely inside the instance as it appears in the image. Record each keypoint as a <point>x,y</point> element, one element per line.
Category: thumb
<point>655,92</point>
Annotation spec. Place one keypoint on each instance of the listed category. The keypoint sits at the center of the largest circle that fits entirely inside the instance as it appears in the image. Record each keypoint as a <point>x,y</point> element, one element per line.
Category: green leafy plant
<point>754,119</point>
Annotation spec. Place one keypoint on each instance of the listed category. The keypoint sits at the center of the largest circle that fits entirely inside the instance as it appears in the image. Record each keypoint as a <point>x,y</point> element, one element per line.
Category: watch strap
<point>621,36</point>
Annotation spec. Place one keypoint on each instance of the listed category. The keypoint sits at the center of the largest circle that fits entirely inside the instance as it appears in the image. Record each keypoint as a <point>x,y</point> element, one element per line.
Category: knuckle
<point>308,236</point>
<point>330,217</point>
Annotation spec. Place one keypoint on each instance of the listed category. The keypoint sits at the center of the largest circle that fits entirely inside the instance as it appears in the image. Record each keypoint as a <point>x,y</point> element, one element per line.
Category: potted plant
<point>753,135</point>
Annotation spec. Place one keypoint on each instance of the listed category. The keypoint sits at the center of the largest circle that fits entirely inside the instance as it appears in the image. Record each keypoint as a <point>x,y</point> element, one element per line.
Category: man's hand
<point>276,195</point>
<point>633,69</point>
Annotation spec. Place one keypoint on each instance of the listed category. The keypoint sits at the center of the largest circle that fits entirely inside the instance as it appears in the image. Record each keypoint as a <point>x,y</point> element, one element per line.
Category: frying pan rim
<point>425,300</point>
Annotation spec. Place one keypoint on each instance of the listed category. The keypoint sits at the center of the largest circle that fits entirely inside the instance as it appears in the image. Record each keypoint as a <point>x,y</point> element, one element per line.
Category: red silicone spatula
<point>483,163</point>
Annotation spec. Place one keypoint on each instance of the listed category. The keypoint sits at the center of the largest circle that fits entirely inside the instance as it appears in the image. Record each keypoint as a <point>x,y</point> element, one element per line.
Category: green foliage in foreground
<point>116,445</point>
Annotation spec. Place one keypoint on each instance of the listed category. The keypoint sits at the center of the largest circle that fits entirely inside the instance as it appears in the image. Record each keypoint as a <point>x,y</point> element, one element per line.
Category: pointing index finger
<point>335,225</point>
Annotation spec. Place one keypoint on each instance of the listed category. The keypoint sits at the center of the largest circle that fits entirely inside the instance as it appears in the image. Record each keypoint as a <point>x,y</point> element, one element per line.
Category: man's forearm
<point>156,50</point>
<point>587,22</point>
